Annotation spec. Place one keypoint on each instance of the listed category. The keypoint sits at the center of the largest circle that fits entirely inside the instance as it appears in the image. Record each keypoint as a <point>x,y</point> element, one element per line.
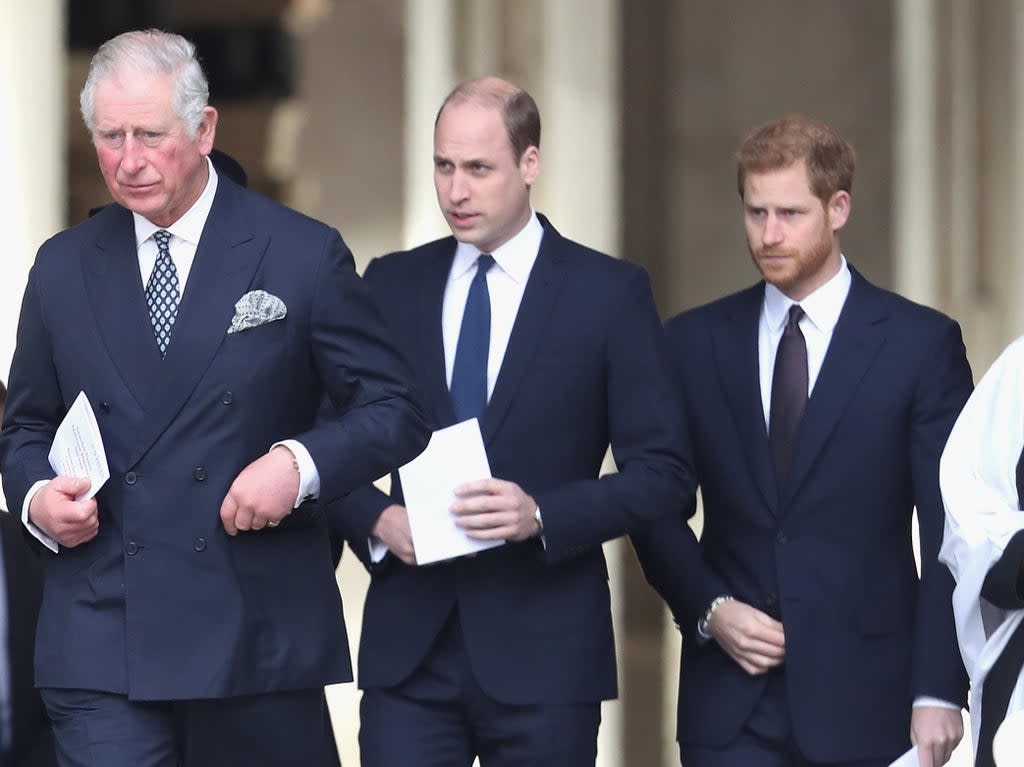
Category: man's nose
<point>772,234</point>
<point>458,190</point>
<point>132,155</point>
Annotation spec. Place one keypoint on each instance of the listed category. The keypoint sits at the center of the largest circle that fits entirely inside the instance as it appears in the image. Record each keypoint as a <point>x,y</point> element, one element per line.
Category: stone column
<point>430,73</point>
<point>915,192</point>
<point>32,131</point>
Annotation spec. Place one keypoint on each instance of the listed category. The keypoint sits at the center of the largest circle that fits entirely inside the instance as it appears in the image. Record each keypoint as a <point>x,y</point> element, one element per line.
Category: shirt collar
<point>822,307</point>
<point>515,257</point>
<point>190,226</point>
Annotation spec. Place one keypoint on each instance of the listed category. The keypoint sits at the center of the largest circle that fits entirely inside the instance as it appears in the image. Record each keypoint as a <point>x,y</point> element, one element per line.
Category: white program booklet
<point>453,456</point>
<point>77,449</point>
<point>909,759</point>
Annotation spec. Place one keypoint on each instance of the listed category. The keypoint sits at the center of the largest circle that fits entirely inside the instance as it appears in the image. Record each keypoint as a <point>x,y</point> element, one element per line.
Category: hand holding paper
<point>495,508</point>
<point>454,456</point>
<point>77,449</point>
<point>64,508</point>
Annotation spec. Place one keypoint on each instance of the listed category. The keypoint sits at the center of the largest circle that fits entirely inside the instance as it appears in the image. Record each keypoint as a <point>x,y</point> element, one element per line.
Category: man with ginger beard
<point>818,405</point>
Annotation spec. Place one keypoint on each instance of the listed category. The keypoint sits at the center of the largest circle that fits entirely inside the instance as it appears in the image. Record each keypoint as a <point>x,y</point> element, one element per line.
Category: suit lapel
<point>531,320</point>
<point>735,344</point>
<point>858,336</point>
<point>226,261</point>
<point>113,284</point>
<point>430,295</point>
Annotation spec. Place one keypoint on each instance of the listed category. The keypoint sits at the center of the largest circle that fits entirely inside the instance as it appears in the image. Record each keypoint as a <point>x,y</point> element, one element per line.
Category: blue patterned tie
<point>469,373</point>
<point>162,292</point>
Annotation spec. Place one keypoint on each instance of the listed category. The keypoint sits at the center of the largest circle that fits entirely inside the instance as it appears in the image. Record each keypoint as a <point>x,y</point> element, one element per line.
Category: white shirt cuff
<point>378,549</point>
<point>924,700</point>
<point>38,534</point>
<point>309,477</point>
<point>540,521</point>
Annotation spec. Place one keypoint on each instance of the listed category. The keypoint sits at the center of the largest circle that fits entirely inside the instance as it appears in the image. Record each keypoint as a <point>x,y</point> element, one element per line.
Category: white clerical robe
<point>978,479</point>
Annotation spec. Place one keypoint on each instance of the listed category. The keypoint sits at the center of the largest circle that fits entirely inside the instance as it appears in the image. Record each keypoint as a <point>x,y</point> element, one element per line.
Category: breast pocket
<point>254,348</point>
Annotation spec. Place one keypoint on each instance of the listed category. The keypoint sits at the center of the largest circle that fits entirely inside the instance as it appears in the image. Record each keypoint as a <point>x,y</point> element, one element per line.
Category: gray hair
<point>158,52</point>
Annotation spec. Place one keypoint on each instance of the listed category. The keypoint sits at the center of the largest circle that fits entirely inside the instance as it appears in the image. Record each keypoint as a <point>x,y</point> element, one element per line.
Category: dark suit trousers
<point>98,729</point>
<point>766,740</point>
<point>439,717</point>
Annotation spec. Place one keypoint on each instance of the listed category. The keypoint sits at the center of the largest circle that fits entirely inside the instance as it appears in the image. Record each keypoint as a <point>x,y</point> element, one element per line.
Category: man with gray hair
<point>191,615</point>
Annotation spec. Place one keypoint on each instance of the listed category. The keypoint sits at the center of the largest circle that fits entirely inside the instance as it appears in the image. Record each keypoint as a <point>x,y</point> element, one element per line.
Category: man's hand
<point>753,639</point>
<point>263,494</point>
<point>55,511</point>
<point>392,528</point>
<point>488,509</point>
<point>935,731</point>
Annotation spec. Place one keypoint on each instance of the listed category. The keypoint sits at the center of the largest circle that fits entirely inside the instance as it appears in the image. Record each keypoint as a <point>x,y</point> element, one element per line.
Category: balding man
<point>507,655</point>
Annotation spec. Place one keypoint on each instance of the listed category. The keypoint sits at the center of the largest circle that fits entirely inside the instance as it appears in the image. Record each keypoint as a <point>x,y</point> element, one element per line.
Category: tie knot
<point>162,238</point>
<point>796,313</point>
<point>484,263</point>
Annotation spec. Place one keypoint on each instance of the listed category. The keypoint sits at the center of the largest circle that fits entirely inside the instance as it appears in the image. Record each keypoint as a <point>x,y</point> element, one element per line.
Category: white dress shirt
<point>185,234</point>
<point>821,313</point>
<point>506,282</point>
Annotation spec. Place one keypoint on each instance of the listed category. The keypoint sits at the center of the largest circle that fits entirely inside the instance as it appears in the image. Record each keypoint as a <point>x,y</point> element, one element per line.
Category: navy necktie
<point>162,292</point>
<point>789,394</point>
<point>469,373</point>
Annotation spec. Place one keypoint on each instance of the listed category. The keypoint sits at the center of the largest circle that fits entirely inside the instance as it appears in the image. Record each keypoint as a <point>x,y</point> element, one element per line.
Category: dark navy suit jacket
<point>832,559</point>
<point>585,367</point>
<point>162,603</point>
<point>32,739</point>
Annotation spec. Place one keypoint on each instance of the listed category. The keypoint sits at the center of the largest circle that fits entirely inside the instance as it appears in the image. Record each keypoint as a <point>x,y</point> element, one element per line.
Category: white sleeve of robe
<point>977,474</point>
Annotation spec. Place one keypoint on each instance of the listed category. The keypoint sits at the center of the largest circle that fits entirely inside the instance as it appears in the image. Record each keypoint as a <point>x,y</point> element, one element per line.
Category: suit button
<point>227,398</point>
<point>771,601</point>
<point>199,473</point>
<point>104,407</point>
<point>130,478</point>
<point>780,537</point>
<point>199,544</point>
<point>132,548</point>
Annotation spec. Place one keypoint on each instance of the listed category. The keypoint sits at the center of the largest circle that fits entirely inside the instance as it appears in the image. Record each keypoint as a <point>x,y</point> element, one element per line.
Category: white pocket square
<point>257,307</point>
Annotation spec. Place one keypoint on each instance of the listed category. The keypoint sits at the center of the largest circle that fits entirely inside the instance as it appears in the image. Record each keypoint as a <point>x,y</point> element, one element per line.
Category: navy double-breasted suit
<point>585,366</point>
<point>163,604</point>
<point>832,557</point>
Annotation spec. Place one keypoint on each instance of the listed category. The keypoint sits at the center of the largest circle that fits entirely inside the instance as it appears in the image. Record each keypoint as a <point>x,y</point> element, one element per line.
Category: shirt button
<point>104,407</point>
<point>227,398</point>
<point>130,478</point>
<point>780,537</point>
<point>199,473</point>
<point>199,544</point>
<point>132,548</point>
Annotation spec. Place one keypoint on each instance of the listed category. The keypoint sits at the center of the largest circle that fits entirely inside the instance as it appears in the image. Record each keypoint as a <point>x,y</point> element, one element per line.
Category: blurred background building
<point>329,106</point>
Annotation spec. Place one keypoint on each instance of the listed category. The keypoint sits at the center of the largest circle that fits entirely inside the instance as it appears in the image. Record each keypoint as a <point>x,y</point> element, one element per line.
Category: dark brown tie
<point>789,394</point>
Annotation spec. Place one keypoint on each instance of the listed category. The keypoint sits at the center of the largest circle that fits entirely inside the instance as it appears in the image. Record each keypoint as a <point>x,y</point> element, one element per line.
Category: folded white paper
<point>77,449</point>
<point>453,456</point>
<point>1008,744</point>
<point>909,759</point>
